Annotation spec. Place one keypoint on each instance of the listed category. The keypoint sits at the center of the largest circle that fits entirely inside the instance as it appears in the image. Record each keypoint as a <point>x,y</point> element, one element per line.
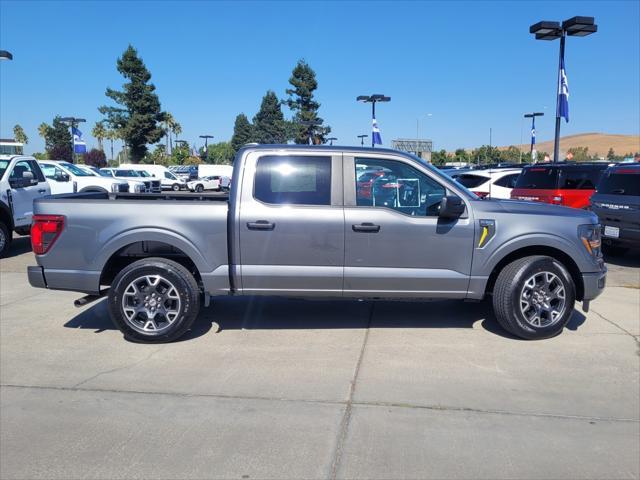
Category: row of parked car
<point>23,179</point>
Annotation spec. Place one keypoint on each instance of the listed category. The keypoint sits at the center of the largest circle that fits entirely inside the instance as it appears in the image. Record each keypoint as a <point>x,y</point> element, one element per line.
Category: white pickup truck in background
<point>21,182</point>
<point>65,177</point>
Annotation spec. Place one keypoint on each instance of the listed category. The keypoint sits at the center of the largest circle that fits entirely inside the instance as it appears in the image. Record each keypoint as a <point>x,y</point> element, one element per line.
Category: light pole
<point>362,137</point>
<point>73,122</point>
<point>546,30</point>
<point>418,125</point>
<point>330,140</point>
<point>533,116</point>
<point>4,55</point>
<point>206,151</point>
<point>311,124</point>
<point>373,99</point>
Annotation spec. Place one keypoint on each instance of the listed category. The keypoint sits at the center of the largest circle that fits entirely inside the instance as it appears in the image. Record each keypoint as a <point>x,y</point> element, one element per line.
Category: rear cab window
<point>620,181</point>
<point>540,178</point>
<point>293,180</point>
<point>471,181</point>
<point>579,179</point>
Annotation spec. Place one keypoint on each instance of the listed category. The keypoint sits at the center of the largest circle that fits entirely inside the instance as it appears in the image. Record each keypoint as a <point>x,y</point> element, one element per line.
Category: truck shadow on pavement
<point>19,245</point>
<point>272,313</point>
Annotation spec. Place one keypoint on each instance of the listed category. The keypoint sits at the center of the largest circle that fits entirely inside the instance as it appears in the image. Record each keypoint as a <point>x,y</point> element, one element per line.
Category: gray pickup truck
<point>318,222</point>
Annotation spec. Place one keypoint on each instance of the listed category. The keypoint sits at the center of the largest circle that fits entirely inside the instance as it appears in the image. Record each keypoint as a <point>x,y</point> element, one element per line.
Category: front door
<point>22,198</point>
<point>395,243</point>
<point>291,225</point>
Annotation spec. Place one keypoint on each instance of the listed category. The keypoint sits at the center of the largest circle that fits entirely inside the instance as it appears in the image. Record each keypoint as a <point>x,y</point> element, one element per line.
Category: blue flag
<point>534,154</point>
<point>79,146</point>
<point>563,93</point>
<point>375,133</point>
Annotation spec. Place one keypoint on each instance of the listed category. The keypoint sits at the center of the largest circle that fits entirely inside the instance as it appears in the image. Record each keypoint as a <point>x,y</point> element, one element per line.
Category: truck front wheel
<point>154,300</point>
<point>533,297</point>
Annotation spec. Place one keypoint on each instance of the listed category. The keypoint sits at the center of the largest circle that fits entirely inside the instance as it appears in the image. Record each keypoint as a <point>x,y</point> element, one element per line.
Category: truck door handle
<point>366,227</point>
<point>42,190</point>
<point>261,225</point>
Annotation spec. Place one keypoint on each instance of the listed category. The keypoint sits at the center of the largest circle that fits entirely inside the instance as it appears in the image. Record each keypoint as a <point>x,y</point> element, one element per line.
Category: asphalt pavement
<point>277,388</point>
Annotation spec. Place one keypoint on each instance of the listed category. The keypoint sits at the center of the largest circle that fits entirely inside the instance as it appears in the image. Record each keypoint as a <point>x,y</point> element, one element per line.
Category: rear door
<point>291,224</point>
<point>395,243</point>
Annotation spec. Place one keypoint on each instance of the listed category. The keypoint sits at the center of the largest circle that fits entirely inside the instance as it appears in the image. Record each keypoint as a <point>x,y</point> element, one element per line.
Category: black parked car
<point>617,204</point>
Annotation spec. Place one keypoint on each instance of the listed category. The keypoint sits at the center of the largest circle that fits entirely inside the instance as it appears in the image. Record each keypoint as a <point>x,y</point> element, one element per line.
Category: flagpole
<point>373,116</point>
<point>556,144</point>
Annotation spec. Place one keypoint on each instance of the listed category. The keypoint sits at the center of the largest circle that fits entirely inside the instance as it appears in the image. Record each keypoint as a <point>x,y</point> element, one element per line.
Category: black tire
<point>199,188</point>
<point>175,187</point>
<point>6,236</point>
<point>510,287</point>
<point>172,274</point>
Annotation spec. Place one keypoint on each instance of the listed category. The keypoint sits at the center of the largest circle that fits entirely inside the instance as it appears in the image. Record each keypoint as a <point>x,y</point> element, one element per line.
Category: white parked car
<point>151,185</point>
<point>21,182</point>
<point>205,183</point>
<point>168,180</point>
<point>491,183</point>
<point>65,177</point>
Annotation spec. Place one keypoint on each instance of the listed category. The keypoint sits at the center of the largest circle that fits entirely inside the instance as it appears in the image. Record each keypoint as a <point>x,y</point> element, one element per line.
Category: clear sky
<point>472,65</point>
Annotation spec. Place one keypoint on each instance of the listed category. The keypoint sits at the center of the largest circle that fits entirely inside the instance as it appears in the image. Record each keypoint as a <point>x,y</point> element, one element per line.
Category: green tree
<point>220,153</point>
<point>19,135</point>
<point>40,156</point>
<point>242,133</point>
<point>611,155</point>
<point>111,135</point>
<point>580,154</point>
<point>180,153</point>
<point>139,116</point>
<point>43,129</point>
<point>99,133</point>
<point>305,108</point>
<point>439,158</point>
<point>511,154</point>
<point>95,158</point>
<point>269,124</point>
<point>461,155</point>
<point>58,141</point>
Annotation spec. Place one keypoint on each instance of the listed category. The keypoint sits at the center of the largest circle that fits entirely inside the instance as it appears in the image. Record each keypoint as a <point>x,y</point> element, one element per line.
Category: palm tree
<point>19,135</point>
<point>43,129</point>
<point>171,126</point>
<point>111,135</point>
<point>99,133</point>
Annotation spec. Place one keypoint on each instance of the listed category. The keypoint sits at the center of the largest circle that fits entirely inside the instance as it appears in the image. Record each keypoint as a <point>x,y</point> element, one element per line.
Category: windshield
<point>127,173</point>
<point>538,178</point>
<point>3,167</point>
<point>74,169</point>
<point>621,182</point>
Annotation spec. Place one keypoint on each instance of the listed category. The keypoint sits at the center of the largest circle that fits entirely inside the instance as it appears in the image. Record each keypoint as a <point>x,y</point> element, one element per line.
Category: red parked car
<point>568,184</point>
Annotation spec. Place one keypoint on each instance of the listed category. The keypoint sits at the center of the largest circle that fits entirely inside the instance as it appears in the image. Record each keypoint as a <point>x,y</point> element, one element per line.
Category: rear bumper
<point>594,284</point>
<point>72,280</point>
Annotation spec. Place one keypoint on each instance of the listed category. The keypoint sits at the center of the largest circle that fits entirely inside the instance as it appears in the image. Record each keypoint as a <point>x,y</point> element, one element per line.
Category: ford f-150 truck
<point>298,222</point>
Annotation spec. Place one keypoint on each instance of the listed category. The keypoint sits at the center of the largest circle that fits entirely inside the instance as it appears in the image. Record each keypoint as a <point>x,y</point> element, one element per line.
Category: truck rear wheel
<point>533,297</point>
<point>154,300</point>
<point>5,239</point>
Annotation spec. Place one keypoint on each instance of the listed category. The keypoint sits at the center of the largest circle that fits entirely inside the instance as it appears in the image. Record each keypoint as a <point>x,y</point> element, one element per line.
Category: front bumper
<point>594,284</point>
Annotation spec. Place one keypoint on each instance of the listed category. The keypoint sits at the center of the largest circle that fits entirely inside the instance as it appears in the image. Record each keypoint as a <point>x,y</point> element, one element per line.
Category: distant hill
<point>598,143</point>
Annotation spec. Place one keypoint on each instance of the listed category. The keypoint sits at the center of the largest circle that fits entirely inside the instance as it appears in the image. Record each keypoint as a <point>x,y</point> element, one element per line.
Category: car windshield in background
<point>621,182</point>
<point>3,167</point>
<point>104,174</point>
<point>470,181</point>
<point>77,171</point>
<point>538,177</point>
<point>126,173</point>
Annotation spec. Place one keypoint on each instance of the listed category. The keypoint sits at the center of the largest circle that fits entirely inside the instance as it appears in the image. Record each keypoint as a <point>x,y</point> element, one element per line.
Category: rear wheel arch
<point>543,250</point>
<point>6,217</point>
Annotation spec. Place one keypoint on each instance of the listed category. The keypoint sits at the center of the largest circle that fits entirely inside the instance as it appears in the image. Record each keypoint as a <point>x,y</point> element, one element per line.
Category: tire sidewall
<point>5,239</point>
<point>199,188</point>
<point>189,302</point>
<point>542,265</point>
<point>176,187</point>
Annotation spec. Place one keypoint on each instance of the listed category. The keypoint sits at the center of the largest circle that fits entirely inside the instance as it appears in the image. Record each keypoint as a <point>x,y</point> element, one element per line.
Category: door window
<point>26,166</point>
<point>396,185</point>
<point>508,181</point>
<point>293,180</point>
<point>50,171</point>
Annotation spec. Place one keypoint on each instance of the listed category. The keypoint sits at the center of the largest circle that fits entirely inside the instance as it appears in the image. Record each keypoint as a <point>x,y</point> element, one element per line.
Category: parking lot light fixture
<point>4,55</point>
<point>330,140</point>
<point>548,30</point>
<point>373,99</point>
<point>206,151</point>
<point>362,137</point>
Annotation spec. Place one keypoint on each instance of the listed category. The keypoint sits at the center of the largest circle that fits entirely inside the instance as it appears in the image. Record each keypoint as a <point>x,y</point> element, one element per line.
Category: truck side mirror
<point>451,206</point>
<point>25,181</point>
<point>62,177</point>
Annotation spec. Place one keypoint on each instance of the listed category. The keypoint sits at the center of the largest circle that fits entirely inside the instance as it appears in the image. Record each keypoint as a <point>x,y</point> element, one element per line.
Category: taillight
<point>557,199</point>
<point>481,194</point>
<point>45,230</point>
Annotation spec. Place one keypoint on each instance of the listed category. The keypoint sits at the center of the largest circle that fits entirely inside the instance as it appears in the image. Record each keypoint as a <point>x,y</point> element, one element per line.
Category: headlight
<point>590,236</point>
<point>138,188</point>
<point>114,187</point>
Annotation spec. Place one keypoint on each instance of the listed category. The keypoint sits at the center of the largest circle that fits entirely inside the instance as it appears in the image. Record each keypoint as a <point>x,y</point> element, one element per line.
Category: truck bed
<point>99,227</point>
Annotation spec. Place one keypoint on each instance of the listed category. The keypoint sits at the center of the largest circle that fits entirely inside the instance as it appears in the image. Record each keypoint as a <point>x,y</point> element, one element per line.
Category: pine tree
<point>269,124</point>
<point>611,154</point>
<point>139,117</point>
<point>242,132</point>
<point>58,141</point>
<point>301,101</point>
